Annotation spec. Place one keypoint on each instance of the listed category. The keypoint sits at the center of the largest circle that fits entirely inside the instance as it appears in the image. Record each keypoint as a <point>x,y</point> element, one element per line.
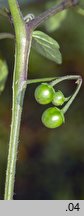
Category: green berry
<point>44,93</point>
<point>53,117</point>
<point>58,98</point>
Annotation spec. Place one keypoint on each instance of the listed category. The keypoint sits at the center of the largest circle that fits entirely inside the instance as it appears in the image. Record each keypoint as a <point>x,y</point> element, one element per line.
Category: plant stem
<point>55,81</point>
<point>65,4</point>
<point>68,104</point>
<point>69,77</point>
<point>23,44</point>
<point>40,80</point>
<point>61,79</point>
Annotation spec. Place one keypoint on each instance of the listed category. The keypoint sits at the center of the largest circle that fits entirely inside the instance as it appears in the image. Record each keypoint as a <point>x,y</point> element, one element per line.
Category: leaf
<point>3,73</point>
<point>46,46</point>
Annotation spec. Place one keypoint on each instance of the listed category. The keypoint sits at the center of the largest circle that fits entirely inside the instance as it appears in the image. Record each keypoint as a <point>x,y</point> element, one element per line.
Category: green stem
<point>69,77</point>
<point>68,104</point>
<point>23,44</point>
<point>40,80</point>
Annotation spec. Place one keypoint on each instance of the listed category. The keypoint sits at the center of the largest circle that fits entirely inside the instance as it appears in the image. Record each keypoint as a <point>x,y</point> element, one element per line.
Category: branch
<point>34,23</point>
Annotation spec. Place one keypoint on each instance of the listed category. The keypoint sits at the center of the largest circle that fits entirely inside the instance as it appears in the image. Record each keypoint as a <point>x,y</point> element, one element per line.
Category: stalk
<point>78,79</point>
<point>22,50</point>
<point>65,4</point>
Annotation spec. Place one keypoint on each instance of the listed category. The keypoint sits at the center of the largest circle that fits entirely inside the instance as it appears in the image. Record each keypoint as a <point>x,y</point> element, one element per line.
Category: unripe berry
<point>53,117</point>
<point>58,98</point>
<point>44,93</point>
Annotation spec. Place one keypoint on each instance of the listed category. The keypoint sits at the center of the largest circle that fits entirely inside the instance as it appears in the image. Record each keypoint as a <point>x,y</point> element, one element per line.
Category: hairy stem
<point>23,43</point>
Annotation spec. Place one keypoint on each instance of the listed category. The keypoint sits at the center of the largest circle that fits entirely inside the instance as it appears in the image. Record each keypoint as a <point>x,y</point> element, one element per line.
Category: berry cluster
<point>45,94</point>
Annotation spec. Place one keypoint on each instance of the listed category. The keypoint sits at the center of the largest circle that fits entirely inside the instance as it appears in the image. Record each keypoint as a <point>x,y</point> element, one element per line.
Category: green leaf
<point>3,73</point>
<point>46,46</point>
